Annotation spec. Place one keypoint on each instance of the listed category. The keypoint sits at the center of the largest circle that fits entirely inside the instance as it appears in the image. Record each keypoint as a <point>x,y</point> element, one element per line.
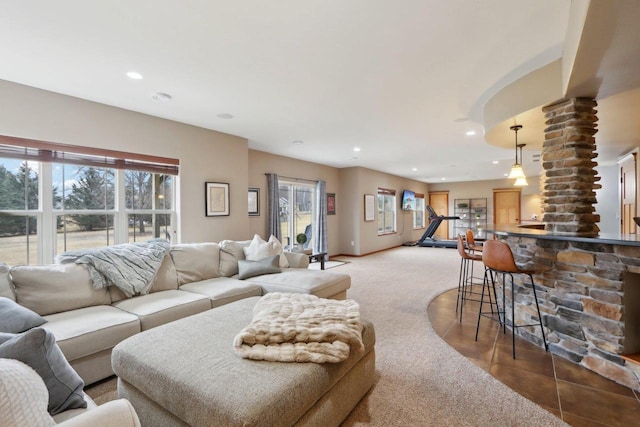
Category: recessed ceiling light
<point>356,149</point>
<point>298,142</point>
<point>161,96</point>
<point>471,132</point>
<point>134,75</point>
<point>225,116</point>
<point>495,162</point>
<point>506,174</point>
<point>414,169</point>
<point>443,178</point>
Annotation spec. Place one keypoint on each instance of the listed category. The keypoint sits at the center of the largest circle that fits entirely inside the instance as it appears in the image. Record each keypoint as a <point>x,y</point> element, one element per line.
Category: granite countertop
<point>526,231</point>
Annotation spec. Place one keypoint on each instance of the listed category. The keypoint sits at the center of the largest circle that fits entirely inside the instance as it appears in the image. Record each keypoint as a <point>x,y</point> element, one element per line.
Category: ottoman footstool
<point>186,373</point>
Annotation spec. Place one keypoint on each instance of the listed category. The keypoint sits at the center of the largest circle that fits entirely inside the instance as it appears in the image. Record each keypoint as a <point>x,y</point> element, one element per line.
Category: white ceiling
<point>402,80</point>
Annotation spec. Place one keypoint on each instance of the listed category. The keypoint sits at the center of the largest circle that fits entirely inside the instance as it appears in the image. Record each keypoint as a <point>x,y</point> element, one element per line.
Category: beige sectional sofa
<point>193,278</point>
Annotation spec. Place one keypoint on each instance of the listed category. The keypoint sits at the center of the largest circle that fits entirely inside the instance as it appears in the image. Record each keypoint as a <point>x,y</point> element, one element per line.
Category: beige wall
<point>356,182</point>
<point>530,201</point>
<point>204,155</point>
<point>261,163</point>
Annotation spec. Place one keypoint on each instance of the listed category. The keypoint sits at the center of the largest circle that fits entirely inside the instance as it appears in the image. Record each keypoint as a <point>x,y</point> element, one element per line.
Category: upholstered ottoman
<point>187,373</point>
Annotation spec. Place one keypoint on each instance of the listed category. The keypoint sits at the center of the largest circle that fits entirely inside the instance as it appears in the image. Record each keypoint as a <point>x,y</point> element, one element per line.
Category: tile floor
<point>574,394</point>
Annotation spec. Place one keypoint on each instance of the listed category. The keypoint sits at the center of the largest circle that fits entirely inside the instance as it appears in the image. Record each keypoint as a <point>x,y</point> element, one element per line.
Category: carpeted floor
<point>421,380</point>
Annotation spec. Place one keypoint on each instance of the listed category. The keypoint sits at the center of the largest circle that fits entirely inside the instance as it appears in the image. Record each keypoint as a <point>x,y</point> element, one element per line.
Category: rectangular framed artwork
<point>369,207</point>
<point>331,203</point>
<point>216,199</point>
<point>254,202</point>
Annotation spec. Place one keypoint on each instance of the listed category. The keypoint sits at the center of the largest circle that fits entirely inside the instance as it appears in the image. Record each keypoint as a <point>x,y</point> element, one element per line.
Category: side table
<point>319,257</point>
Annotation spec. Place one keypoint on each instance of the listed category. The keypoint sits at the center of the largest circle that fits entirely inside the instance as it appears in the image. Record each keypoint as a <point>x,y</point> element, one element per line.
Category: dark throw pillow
<point>269,265</point>
<point>15,318</point>
<point>38,349</point>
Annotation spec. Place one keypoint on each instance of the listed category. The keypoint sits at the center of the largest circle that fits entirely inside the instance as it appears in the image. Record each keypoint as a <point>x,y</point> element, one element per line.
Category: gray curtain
<point>320,221</point>
<point>273,206</point>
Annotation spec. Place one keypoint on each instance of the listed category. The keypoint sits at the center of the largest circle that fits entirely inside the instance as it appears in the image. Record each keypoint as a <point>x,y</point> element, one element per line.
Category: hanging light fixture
<point>522,180</point>
<point>516,169</point>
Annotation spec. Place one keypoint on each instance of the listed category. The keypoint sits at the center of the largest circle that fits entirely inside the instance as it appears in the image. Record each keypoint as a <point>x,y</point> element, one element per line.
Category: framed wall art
<point>369,207</point>
<point>216,198</point>
<point>331,203</point>
<point>254,202</point>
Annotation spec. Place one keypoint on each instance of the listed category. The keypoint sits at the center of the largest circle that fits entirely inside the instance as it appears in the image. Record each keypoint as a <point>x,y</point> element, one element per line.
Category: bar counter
<point>589,294</point>
<point>530,230</point>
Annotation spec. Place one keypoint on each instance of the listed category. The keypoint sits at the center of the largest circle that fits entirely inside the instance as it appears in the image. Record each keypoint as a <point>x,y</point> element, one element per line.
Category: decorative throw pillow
<point>23,396</point>
<point>15,318</point>
<point>230,252</point>
<point>259,249</point>
<point>277,248</point>
<point>247,269</point>
<point>6,287</point>
<point>38,349</point>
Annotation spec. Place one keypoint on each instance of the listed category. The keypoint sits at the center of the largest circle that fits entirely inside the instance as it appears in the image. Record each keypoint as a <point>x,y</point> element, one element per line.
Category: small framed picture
<point>216,198</point>
<point>254,202</point>
<point>331,203</point>
<point>369,207</point>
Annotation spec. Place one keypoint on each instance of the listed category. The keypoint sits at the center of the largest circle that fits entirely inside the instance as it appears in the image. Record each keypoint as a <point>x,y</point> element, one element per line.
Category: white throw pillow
<point>259,250</point>
<point>23,396</point>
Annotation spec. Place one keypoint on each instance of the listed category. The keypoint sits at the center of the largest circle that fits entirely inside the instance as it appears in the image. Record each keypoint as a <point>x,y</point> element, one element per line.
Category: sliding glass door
<point>297,204</point>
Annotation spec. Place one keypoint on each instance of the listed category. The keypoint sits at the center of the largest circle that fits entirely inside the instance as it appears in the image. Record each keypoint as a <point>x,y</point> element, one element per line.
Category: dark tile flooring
<point>576,395</point>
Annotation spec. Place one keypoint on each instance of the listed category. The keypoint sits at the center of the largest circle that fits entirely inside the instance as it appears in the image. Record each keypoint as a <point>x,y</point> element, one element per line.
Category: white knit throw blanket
<point>288,327</point>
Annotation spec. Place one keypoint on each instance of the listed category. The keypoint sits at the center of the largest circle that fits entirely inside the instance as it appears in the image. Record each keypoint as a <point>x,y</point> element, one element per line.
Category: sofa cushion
<point>23,396</point>
<point>166,279</point>
<point>323,284</point>
<point>259,249</point>
<point>196,261</point>
<point>38,349</point>
<point>163,307</point>
<point>6,287</point>
<point>223,290</point>
<point>230,252</point>
<point>15,318</point>
<point>55,288</point>
<point>89,330</point>
<point>247,269</point>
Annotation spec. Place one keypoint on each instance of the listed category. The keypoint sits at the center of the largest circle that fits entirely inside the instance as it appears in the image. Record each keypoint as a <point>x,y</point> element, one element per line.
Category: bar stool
<point>498,259</point>
<point>471,242</point>
<point>465,278</point>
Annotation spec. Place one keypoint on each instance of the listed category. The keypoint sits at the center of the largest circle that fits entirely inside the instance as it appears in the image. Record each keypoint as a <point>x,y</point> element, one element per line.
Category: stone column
<point>568,196</point>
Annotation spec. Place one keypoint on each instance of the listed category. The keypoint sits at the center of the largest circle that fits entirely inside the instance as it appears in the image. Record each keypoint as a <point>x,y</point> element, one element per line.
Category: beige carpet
<point>422,381</point>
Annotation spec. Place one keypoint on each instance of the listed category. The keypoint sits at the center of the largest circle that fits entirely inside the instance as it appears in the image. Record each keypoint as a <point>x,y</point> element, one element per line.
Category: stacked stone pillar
<point>570,178</point>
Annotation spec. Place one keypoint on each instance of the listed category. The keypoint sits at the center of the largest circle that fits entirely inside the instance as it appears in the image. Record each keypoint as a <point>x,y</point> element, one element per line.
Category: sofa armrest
<point>113,413</point>
<point>297,259</point>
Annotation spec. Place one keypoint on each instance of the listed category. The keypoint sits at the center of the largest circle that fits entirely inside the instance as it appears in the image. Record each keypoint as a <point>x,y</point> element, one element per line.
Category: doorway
<point>506,206</point>
<point>439,202</point>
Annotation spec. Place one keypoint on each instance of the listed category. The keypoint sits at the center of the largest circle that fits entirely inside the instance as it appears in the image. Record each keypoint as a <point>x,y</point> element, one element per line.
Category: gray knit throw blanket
<point>289,327</point>
<point>130,266</point>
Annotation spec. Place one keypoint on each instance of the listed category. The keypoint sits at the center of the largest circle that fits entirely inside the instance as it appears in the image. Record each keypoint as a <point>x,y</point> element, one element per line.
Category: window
<point>297,206</point>
<point>418,213</point>
<point>97,198</point>
<point>386,211</point>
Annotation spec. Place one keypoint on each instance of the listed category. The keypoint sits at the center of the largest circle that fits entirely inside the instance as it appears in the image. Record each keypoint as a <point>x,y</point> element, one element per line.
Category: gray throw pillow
<point>38,349</point>
<point>269,265</point>
<point>15,318</point>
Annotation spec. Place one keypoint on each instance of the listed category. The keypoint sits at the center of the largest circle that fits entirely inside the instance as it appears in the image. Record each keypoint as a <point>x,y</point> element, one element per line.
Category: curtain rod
<point>295,179</point>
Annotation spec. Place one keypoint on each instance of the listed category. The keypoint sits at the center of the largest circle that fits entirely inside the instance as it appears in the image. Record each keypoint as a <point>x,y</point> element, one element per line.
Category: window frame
<point>416,225</point>
<point>48,154</point>
<point>389,199</point>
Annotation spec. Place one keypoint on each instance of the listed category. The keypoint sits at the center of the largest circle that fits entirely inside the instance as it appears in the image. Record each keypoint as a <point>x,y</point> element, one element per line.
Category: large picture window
<point>95,198</point>
<point>386,211</point>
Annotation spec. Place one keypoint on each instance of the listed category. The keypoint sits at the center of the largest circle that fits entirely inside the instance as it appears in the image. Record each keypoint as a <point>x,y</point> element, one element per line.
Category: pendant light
<point>522,180</point>
<point>516,169</point>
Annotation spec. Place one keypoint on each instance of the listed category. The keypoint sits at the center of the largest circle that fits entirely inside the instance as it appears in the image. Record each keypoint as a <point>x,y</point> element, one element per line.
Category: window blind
<point>43,151</point>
